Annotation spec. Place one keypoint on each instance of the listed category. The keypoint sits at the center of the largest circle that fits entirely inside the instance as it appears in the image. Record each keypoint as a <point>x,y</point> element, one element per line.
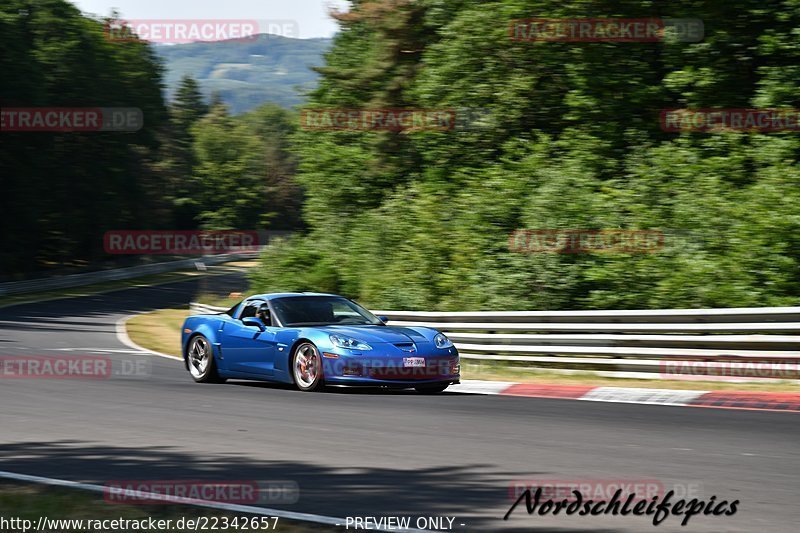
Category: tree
<point>62,191</point>
<point>178,156</point>
<point>232,190</point>
<point>569,138</point>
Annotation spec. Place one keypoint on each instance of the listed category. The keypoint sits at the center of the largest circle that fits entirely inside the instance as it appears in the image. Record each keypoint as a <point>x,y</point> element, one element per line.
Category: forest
<point>563,136</point>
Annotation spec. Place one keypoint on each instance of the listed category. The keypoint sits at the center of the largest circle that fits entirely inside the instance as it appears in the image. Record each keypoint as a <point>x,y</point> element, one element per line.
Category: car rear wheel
<point>432,389</point>
<point>200,360</point>
<point>307,367</point>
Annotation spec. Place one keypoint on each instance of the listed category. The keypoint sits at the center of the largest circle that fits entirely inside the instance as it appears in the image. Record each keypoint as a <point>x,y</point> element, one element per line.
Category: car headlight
<point>348,342</point>
<point>441,341</point>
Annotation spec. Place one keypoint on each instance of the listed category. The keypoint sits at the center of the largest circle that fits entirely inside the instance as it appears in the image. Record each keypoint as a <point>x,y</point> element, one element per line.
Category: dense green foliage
<point>245,172</point>
<point>190,166</point>
<point>61,191</point>
<point>420,220</point>
<point>568,137</point>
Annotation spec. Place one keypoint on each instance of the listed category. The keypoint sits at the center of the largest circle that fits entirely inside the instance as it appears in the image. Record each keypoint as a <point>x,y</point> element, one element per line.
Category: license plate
<point>413,362</point>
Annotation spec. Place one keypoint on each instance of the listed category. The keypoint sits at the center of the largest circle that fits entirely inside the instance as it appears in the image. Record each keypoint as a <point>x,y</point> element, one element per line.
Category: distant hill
<point>247,74</point>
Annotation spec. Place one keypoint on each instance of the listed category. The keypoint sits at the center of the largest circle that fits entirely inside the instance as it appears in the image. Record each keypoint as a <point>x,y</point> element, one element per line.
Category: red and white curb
<point>765,401</point>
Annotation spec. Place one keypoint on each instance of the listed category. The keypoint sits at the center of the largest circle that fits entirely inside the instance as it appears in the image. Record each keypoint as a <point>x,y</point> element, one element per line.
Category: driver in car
<point>263,314</point>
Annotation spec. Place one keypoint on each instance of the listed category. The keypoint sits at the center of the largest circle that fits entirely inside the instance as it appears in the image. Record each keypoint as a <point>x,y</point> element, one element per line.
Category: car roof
<point>273,295</point>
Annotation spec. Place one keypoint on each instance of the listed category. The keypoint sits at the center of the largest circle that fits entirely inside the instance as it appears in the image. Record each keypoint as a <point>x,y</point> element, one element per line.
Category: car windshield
<point>321,310</point>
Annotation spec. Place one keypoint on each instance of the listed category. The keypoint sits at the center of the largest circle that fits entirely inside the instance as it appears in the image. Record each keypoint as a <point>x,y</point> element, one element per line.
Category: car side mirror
<point>253,322</point>
<point>383,318</point>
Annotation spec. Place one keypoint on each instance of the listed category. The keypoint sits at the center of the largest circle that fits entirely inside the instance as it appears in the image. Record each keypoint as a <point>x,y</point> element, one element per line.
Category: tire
<point>200,361</point>
<point>432,389</point>
<point>307,368</point>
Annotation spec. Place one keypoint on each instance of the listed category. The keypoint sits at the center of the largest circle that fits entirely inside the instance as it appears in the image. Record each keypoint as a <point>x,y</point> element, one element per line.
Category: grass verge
<point>160,331</point>
<point>28,501</point>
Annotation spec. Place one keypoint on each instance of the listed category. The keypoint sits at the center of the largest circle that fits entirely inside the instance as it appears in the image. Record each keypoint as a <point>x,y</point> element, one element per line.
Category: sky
<point>311,16</point>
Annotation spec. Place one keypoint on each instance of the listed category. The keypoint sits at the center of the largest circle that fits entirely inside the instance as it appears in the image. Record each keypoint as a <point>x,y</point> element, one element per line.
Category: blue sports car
<point>311,340</point>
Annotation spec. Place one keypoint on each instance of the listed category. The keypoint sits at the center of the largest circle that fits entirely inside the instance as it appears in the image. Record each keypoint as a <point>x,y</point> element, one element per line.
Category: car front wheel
<point>307,367</point>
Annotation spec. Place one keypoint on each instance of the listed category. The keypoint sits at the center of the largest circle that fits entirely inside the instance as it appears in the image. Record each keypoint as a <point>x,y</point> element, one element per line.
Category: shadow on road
<point>337,389</point>
<point>462,491</point>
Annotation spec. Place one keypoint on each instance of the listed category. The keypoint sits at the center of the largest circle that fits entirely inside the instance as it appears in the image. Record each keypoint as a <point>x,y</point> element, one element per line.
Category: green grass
<point>159,331</point>
<point>30,501</point>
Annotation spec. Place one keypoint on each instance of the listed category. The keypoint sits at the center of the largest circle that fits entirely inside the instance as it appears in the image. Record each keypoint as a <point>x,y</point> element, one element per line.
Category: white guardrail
<point>731,344</point>
<point>89,278</point>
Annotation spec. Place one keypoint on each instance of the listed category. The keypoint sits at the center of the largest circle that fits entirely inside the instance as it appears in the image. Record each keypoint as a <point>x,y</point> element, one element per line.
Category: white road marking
<point>97,350</point>
<point>265,511</point>
<point>645,396</point>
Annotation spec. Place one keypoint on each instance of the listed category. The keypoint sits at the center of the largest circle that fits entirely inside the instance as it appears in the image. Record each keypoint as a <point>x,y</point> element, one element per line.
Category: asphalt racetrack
<point>371,452</point>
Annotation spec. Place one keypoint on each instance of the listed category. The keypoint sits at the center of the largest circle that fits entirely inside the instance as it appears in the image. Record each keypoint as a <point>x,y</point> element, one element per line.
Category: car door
<point>246,348</point>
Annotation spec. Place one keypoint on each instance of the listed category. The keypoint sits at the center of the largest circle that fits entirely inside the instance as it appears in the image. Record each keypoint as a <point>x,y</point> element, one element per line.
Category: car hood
<point>376,334</point>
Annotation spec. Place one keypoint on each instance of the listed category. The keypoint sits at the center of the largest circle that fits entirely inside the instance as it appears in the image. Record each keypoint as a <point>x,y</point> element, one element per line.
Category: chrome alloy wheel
<point>307,365</point>
<point>199,357</point>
